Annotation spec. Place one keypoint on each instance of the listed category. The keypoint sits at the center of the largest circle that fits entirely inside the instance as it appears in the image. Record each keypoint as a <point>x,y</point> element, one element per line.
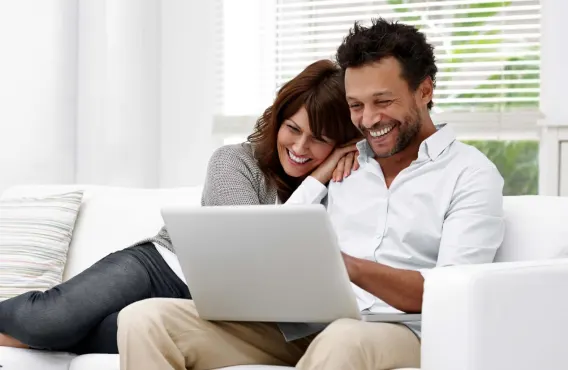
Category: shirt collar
<point>431,148</point>
<point>438,142</point>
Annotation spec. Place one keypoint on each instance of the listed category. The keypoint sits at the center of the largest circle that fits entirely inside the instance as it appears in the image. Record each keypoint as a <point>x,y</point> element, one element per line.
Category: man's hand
<point>401,289</point>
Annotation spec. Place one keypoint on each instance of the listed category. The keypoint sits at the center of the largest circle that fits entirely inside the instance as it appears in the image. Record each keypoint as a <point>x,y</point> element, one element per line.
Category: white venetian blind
<point>487,52</point>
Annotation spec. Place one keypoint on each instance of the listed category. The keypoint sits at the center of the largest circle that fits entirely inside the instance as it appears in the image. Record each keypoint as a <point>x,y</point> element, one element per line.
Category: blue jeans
<point>80,315</point>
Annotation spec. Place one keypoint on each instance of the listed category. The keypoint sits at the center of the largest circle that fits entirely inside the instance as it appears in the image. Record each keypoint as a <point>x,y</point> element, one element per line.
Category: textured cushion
<point>35,234</point>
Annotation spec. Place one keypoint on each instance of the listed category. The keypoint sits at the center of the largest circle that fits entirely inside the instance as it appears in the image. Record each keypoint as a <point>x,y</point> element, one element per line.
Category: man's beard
<point>408,130</point>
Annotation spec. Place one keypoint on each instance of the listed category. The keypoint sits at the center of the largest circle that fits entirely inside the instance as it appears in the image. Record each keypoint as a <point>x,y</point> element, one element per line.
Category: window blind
<point>487,52</point>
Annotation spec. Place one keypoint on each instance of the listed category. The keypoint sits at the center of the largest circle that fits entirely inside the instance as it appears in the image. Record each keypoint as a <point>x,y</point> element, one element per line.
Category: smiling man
<point>420,200</point>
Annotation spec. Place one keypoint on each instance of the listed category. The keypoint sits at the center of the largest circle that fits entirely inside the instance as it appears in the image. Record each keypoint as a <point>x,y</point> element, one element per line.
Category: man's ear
<point>426,91</point>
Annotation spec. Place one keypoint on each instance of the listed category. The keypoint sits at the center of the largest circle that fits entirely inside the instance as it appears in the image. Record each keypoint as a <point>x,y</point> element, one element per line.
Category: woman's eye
<point>323,140</point>
<point>295,129</point>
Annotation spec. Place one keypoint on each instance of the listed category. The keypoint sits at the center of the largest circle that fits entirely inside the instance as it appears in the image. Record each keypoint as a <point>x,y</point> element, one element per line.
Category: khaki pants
<point>163,333</point>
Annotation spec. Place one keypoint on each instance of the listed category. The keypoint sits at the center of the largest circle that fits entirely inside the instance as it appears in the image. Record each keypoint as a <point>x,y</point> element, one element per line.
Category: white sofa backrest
<point>114,218</point>
<point>536,228</point>
<point>111,218</point>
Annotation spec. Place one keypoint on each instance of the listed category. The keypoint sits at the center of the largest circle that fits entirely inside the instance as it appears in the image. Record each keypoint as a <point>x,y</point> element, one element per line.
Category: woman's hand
<point>337,163</point>
<point>345,166</point>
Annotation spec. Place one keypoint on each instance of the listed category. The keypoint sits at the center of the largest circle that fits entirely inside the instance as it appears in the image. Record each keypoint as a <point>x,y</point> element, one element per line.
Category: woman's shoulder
<point>232,150</point>
<point>236,156</point>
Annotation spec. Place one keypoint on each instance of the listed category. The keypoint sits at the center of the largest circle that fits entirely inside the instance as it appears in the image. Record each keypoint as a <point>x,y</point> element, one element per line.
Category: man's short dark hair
<point>365,45</point>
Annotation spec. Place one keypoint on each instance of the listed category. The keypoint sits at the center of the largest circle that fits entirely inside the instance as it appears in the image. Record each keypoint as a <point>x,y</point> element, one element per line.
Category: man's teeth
<point>297,159</point>
<point>381,132</point>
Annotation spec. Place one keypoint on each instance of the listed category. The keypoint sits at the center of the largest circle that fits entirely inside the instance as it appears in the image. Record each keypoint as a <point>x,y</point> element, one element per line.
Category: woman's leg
<point>102,339</point>
<point>61,317</point>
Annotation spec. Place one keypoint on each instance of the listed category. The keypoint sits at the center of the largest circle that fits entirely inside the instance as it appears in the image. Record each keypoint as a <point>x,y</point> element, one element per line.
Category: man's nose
<point>370,118</point>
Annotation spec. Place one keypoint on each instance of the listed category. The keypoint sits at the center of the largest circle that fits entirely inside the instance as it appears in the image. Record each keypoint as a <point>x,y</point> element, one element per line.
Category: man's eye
<point>384,102</point>
<point>355,105</point>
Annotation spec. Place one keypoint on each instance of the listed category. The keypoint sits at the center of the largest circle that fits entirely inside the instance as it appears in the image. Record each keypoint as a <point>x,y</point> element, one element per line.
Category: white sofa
<point>489,317</point>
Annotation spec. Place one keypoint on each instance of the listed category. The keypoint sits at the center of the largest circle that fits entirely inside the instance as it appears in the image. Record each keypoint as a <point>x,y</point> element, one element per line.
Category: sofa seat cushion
<point>95,362</point>
<point>29,359</point>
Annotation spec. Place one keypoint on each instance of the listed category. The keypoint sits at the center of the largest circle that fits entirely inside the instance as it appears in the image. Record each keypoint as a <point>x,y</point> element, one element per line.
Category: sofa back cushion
<point>536,228</point>
<point>35,235</point>
<point>111,218</point>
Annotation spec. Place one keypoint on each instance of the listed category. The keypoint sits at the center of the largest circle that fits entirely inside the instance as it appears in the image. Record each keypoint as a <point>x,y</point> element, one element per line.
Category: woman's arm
<point>313,189</point>
<point>230,180</point>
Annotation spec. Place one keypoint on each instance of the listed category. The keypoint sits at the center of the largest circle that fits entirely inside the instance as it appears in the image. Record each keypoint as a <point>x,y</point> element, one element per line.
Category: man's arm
<point>472,232</point>
<point>402,289</point>
<point>474,226</point>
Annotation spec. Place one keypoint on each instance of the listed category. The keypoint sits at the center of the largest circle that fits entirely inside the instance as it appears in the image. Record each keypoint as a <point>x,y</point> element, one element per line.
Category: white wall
<point>37,91</point>
<point>553,82</point>
<point>564,169</point>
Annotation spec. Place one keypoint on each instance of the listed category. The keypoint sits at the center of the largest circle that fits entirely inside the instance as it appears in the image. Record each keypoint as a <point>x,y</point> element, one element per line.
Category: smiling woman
<point>306,121</point>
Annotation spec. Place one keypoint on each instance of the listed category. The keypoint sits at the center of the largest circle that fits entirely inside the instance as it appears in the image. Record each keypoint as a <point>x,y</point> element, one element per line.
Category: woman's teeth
<point>297,159</point>
<point>381,132</point>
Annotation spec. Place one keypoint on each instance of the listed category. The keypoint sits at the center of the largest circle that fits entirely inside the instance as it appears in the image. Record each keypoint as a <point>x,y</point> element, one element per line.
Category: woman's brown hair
<point>318,88</point>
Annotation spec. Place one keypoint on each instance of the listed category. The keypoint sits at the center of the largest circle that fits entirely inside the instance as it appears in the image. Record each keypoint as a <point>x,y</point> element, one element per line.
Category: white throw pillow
<point>35,234</point>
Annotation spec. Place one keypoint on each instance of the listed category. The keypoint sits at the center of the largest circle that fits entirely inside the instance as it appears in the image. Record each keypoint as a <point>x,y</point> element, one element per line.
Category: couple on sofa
<point>406,198</point>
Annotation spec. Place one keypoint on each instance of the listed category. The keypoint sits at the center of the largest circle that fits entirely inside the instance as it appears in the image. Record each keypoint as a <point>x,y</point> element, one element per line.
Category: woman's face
<point>299,152</point>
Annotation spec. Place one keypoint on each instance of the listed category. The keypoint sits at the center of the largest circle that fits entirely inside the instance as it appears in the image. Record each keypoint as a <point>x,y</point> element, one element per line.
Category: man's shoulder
<point>349,183</point>
<point>468,156</point>
<point>471,165</point>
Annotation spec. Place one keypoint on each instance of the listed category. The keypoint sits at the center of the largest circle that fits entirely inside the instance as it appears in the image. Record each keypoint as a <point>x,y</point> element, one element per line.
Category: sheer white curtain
<point>146,91</point>
<point>37,91</point>
<point>107,92</point>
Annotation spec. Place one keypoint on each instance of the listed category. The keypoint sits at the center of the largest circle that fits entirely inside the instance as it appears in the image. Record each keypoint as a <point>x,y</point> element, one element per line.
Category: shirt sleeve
<point>310,191</point>
<point>229,182</point>
<point>474,226</point>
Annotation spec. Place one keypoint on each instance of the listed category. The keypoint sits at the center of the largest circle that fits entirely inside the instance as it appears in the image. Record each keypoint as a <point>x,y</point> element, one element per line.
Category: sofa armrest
<point>496,316</point>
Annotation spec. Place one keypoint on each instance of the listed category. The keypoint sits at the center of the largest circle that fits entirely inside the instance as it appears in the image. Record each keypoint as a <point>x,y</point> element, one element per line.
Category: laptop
<point>268,263</point>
